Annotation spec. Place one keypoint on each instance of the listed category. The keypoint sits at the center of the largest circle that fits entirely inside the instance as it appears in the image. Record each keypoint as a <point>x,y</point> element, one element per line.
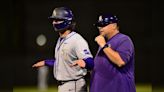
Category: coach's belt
<point>61,82</point>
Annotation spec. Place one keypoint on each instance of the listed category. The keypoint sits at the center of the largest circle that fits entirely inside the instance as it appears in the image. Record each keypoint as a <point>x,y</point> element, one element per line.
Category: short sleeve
<point>82,49</point>
<point>125,49</point>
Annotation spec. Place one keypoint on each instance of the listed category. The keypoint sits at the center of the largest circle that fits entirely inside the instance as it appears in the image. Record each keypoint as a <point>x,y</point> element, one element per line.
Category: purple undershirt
<point>89,63</point>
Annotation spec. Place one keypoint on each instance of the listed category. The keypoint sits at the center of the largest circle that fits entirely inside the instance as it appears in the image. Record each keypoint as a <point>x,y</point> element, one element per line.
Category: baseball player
<point>72,54</point>
<point>114,63</point>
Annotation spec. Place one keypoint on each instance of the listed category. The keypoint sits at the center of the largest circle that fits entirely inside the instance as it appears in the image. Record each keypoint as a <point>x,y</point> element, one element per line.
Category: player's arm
<point>110,53</point>
<point>83,53</point>
<point>87,63</point>
<point>47,62</point>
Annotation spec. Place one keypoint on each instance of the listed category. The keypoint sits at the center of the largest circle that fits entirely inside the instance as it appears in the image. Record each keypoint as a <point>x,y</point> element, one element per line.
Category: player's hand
<point>39,64</point>
<point>100,40</point>
<point>80,63</point>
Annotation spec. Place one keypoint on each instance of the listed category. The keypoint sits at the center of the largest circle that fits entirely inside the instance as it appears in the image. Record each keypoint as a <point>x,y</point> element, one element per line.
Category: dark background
<point>22,21</point>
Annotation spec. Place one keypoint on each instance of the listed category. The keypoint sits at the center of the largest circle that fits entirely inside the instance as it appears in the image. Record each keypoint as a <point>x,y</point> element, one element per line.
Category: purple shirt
<point>106,76</point>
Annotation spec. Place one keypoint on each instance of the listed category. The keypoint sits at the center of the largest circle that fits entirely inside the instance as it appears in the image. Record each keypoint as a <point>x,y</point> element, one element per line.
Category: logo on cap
<point>100,18</point>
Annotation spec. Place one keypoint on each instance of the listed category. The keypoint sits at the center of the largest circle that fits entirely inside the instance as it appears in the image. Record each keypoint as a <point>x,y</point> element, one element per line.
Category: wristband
<point>106,45</point>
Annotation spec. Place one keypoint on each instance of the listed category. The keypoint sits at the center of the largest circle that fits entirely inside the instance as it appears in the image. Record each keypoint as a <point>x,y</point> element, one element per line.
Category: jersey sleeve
<point>89,63</point>
<point>82,50</point>
<point>125,49</point>
<point>49,62</point>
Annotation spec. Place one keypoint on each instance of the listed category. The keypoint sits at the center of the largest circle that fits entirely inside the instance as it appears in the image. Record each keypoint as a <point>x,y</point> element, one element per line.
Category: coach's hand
<point>80,63</point>
<point>100,40</point>
<point>39,64</point>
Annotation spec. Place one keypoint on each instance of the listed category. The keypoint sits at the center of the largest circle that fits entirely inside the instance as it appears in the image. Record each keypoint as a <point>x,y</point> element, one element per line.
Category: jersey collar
<point>69,35</point>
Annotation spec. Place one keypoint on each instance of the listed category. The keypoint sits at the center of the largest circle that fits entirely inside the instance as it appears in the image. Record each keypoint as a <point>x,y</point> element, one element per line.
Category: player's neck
<point>64,34</point>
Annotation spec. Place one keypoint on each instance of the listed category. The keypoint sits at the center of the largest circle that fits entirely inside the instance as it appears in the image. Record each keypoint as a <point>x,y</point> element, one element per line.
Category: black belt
<point>61,82</point>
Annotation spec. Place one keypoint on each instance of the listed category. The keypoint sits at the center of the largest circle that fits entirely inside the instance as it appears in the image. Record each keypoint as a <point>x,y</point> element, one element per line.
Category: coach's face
<point>110,28</point>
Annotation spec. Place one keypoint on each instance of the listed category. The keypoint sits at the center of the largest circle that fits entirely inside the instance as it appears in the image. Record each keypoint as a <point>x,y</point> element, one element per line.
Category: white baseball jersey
<point>67,51</point>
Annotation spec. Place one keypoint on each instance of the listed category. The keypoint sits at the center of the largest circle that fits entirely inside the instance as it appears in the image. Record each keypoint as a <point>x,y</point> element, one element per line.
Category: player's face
<point>57,22</point>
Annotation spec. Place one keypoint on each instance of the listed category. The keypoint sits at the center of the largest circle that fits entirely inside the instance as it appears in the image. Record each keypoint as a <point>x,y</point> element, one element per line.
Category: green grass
<point>33,89</point>
<point>158,89</point>
<point>139,88</point>
<point>143,88</point>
